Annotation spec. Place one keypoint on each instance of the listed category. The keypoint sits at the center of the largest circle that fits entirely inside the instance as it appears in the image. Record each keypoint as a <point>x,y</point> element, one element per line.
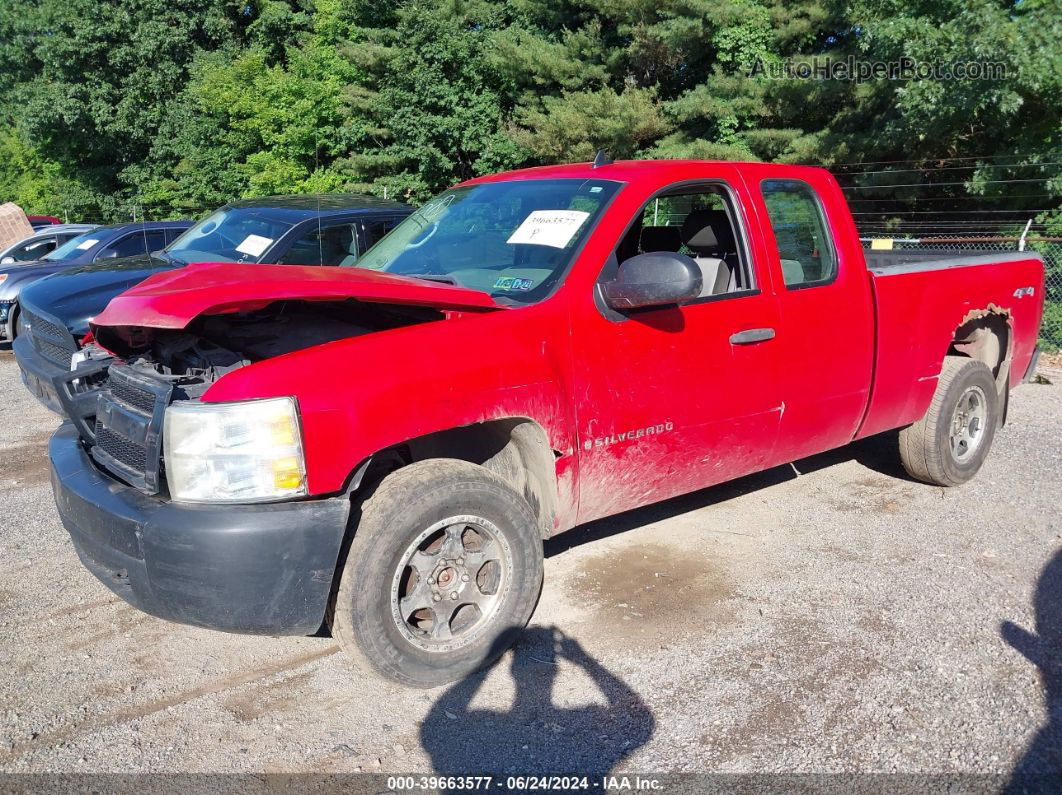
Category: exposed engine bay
<point>194,358</point>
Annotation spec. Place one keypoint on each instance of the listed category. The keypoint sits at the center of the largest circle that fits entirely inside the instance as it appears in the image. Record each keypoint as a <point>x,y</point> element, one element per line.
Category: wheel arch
<point>516,449</point>
<point>987,336</point>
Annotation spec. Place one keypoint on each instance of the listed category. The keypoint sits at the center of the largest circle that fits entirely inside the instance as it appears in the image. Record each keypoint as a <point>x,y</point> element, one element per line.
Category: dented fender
<point>362,395</point>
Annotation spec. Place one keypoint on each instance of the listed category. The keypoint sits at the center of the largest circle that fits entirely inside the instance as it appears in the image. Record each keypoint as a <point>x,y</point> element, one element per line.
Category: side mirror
<point>107,253</point>
<point>658,278</point>
<point>7,261</point>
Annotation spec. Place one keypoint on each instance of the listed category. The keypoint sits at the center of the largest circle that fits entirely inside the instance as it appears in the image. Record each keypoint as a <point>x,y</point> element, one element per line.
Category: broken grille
<point>128,432</point>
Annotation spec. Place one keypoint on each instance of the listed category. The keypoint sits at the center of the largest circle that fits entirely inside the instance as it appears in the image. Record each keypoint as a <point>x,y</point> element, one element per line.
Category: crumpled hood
<point>78,293</point>
<point>174,299</point>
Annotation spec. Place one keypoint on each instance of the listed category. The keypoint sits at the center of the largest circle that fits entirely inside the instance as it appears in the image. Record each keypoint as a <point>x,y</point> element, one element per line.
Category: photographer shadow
<point>536,737</point>
<point>1040,768</point>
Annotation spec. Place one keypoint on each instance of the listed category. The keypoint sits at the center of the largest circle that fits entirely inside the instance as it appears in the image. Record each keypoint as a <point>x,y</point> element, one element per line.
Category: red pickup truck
<point>384,447</point>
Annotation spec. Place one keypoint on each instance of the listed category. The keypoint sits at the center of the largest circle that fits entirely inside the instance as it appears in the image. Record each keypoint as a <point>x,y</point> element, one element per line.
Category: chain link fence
<point>1050,248</point>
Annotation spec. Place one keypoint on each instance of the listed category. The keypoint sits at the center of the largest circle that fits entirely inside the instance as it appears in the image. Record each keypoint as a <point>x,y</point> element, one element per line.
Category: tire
<point>933,450</point>
<point>416,540</point>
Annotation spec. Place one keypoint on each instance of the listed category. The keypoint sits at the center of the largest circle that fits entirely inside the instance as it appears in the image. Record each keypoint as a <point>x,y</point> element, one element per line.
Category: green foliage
<point>172,107</point>
<point>576,124</point>
<point>437,107</point>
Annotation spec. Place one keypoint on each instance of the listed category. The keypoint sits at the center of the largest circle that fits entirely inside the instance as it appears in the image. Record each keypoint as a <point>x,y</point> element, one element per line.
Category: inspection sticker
<point>85,245</point>
<point>513,283</point>
<point>553,228</point>
<point>255,245</point>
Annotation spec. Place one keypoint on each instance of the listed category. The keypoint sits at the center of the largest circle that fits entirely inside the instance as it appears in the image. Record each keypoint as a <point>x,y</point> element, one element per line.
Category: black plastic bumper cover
<point>261,569</point>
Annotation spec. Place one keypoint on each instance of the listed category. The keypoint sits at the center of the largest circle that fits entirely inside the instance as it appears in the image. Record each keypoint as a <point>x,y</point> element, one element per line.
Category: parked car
<point>43,241</point>
<point>306,230</point>
<point>385,446</point>
<point>41,221</point>
<point>102,243</point>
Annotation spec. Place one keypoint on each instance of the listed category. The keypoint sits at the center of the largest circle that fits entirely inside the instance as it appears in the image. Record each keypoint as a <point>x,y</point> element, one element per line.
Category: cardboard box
<point>14,226</point>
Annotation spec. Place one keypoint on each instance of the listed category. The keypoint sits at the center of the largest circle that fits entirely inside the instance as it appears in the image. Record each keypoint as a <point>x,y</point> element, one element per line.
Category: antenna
<point>317,173</point>
<point>601,159</point>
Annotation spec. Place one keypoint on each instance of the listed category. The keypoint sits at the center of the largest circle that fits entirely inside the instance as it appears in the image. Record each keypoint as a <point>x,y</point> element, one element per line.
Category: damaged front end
<point>118,388</point>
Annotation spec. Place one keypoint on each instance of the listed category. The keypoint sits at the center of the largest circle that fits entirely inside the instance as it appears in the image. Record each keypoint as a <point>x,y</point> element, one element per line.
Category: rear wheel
<point>444,570</point>
<point>950,443</point>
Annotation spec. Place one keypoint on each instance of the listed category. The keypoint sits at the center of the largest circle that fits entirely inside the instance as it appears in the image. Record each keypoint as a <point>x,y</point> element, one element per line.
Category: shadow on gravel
<point>1040,769</point>
<point>879,453</point>
<point>536,736</point>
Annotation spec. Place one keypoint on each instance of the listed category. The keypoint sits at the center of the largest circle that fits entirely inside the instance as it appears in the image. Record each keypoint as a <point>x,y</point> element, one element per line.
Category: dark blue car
<point>326,230</point>
<point>102,244</point>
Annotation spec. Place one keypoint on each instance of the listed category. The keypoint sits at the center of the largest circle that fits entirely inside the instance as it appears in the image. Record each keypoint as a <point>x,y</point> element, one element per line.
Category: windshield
<point>512,240</point>
<point>232,234</point>
<point>74,247</point>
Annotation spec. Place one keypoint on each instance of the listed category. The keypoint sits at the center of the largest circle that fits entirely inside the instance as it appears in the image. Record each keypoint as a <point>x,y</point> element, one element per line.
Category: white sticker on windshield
<point>254,245</point>
<point>85,245</point>
<point>553,228</point>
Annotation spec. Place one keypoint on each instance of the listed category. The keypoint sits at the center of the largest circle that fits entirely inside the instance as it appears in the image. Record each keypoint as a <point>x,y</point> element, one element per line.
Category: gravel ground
<point>832,617</point>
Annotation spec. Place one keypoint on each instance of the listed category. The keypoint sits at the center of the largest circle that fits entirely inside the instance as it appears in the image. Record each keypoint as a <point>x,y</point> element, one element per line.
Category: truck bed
<point>917,315</point>
<point>886,262</point>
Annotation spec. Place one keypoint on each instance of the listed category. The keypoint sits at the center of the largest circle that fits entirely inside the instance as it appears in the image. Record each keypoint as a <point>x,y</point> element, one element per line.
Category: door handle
<point>753,335</point>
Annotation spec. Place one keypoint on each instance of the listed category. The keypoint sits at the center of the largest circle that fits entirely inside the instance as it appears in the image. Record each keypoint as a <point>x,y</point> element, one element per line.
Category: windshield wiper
<point>433,277</point>
<point>172,260</point>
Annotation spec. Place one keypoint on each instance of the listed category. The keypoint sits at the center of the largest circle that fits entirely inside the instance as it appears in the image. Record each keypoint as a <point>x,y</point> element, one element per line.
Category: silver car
<point>41,242</point>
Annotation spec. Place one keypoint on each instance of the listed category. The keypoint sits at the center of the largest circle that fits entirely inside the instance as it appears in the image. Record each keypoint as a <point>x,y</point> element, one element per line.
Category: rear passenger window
<point>800,231</point>
<point>139,243</point>
<point>330,245</point>
<point>377,228</point>
<point>34,250</point>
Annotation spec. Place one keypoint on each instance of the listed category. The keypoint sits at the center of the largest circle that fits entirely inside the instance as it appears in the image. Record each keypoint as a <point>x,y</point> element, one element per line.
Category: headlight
<point>234,452</point>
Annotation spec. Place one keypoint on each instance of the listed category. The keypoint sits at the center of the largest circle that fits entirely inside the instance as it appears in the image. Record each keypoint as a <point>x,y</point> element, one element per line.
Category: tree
<point>94,80</point>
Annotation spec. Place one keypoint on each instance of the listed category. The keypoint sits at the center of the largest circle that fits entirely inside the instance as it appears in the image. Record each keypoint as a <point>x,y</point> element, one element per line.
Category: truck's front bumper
<point>262,569</point>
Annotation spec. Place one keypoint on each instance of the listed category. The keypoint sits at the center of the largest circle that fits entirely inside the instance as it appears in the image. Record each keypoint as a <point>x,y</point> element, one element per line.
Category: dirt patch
<point>25,464</point>
<point>1052,360</point>
<point>83,607</point>
<point>283,695</point>
<point>125,621</point>
<point>881,495</point>
<point>93,723</point>
<point>805,685</point>
<point>650,590</point>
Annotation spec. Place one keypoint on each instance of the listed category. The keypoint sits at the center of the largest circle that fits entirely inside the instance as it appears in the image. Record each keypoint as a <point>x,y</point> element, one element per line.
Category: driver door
<point>676,398</point>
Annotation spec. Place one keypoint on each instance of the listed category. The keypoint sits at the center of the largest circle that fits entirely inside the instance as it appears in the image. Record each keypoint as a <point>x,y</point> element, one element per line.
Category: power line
<point>1001,197</point>
<point>949,222</point>
<point>946,184</point>
<point>926,160</point>
<point>946,168</point>
<point>953,224</point>
<point>1024,213</point>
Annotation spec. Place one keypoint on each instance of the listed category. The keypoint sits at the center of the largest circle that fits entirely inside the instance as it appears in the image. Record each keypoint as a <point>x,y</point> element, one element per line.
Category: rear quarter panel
<point>918,312</point>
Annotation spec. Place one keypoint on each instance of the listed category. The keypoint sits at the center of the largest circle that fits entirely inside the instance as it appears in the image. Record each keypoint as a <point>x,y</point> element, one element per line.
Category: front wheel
<point>444,570</point>
<point>950,443</point>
